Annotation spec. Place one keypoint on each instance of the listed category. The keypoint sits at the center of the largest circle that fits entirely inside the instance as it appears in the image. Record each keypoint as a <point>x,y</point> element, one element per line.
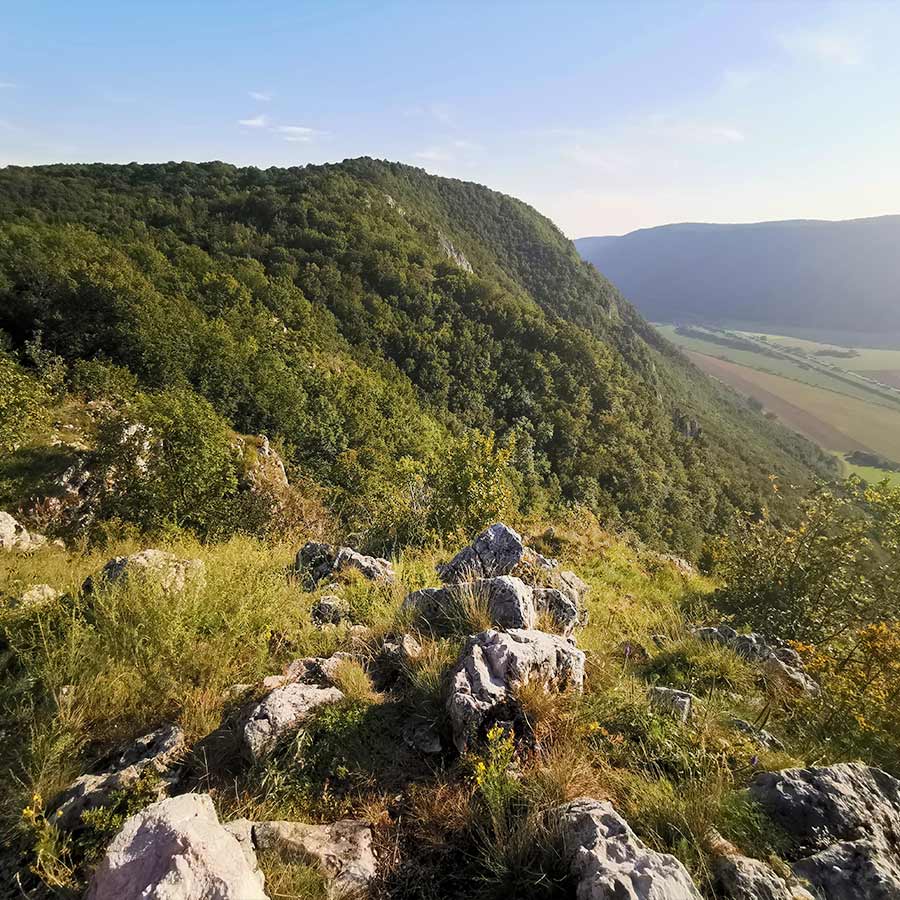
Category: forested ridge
<point>384,327</point>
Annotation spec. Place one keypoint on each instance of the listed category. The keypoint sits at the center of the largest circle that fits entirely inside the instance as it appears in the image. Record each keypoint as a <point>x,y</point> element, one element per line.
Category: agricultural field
<point>845,399</point>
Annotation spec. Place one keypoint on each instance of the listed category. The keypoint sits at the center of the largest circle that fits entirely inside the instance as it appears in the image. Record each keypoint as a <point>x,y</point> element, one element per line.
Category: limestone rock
<point>765,739</point>
<point>155,753</point>
<point>498,550</point>
<point>328,610</point>
<point>739,877</point>
<point>343,849</point>
<point>171,572</point>
<point>14,536</point>
<point>176,849</point>
<point>399,650</point>
<point>679,704</point>
<point>320,561</point>
<point>39,595</point>
<point>422,736</point>
<point>853,870</point>
<point>610,862</point>
<point>561,607</point>
<point>493,664</point>
<point>375,568</point>
<point>509,601</point>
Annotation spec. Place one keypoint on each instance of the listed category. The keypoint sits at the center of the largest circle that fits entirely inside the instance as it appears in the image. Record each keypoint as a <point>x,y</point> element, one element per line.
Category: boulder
<point>39,595</point>
<point>844,823</point>
<point>422,736</point>
<point>498,550</point>
<point>608,860</point>
<point>509,601</point>
<point>280,713</point>
<point>320,561</point>
<point>399,650</point>
<point>679,704</point>
<point>739,877</point>
<point>343,850</point>
<point>176,849</point>
<point>562,608</point>
<point>171,572</point>
<point>14,536</point>
<point>493,665</point>
<point>765,739</point>
<point>156,753</point>
<point>328,610</point>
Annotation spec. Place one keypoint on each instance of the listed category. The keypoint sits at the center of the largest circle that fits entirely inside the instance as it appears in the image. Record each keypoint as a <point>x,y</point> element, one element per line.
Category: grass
<point>85,673</point>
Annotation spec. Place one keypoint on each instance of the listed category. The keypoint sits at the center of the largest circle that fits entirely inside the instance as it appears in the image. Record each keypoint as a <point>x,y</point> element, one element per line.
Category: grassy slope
<point>84,673</point>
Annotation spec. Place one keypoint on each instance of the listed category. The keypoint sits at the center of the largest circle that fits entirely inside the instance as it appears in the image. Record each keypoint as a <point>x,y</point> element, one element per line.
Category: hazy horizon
<point>608,118</point>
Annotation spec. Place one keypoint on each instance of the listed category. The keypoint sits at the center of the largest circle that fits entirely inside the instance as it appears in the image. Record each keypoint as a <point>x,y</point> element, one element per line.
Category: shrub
<point>22,402</point>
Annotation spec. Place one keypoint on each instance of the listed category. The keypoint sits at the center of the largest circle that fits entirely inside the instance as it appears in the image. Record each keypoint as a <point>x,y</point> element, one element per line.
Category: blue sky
<point>606,116</point>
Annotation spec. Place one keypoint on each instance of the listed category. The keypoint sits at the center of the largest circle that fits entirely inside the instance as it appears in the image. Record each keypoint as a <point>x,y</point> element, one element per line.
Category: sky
<point>605,116</point>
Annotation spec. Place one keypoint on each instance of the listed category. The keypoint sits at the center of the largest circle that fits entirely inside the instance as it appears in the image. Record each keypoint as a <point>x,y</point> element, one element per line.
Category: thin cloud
<point>261,96</point>
<point>298,134</point>
<point>255,122</point>
<point>434,154</point>
<point>826,46</point>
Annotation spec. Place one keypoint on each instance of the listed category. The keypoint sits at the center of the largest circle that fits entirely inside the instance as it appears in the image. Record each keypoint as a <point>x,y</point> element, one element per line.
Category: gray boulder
<point>398,651</point>
<point>562,608</point>
<point>320,561</point>
<point>610,862</point>
<point>342,850</point>
<point>679,704</point>
<point>328,610</point>
<point>509,602</point>
<point>38,595</point>
<point>742,878</point>
<point>498,550</point>
<point>176,849</point>
<point>844,822</point>
<point>155,754</point>
<point>493,665</point>
<point>280,713</point>
<point>171,572</point>
<point>14,536</point>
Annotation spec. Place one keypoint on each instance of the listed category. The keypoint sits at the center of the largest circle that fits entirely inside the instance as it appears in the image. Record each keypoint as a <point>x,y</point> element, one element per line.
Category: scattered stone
<point>498,550</point>
<point>320,561</point>
<point>39,595</point>
<point>176,849</point>
<point>493,665</point>
<point>399,650</point>
<point>343,849</point>
<point>328,610</point>
<point>171,572</point>
<point>315,669</point>
<point>155,753</point>
<point>679,704</point>
<point>844,821</point>
<point>781,663</point>
<point>14,536</point>
<point>765,739</point>
<point>609,861</point>
<point>422,736</point>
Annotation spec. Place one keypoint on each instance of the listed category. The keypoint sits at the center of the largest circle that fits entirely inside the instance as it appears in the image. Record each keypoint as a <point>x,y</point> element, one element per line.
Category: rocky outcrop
<point>498,550</point>
<point>678,704</point>
<point>342,850</point>
<point>508,600</point>
<point>172,573</point>
<point>781,663</point>
<point>608,860</point>
<point>563,609</point>
<point>319,561</point>
<point>264,468</point>
<point>844,822</point>
<point>153,754</point>
<point>328,610</point>
<point>14,536</point>
<point>176,849</point>
<point>454,253</point>
<point>493,665</point>
<point>280,713</point>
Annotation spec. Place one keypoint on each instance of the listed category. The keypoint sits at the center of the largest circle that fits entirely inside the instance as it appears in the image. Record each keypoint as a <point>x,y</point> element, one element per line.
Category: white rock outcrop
<point>494,664</point>
<point>14,535</point>
<point>172,573</point>
<point>609,861</point>
<point>176,849</point>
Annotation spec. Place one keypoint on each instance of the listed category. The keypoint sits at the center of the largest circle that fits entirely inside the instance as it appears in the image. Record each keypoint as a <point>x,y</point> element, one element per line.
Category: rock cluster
<point>172,573</point>
<point>498,550</point>
<point>318,561</point>
<point>608,860</point>
<point>494,665</point>
<point>156,753</point>
<point>844,821</point>
<point>781,663</point>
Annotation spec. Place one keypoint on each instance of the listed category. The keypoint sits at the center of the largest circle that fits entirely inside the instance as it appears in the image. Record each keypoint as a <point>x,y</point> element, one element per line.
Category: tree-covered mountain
<point>394,332</point>
<point>840,276</point>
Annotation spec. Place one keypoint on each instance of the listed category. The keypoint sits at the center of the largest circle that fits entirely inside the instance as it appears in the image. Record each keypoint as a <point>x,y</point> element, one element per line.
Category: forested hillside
<point>831,276</point>
<point>422,350</point>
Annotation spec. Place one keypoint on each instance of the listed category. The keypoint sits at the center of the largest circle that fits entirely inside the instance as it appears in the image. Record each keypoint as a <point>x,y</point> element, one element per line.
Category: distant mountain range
<point>836,276</point>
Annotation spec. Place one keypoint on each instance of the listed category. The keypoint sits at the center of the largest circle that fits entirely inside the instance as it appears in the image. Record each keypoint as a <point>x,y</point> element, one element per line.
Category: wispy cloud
<point>828,46</point>
<point>298,134</point>
<point>434,154</point>
<point>255,122</point>
<point>261,96</point>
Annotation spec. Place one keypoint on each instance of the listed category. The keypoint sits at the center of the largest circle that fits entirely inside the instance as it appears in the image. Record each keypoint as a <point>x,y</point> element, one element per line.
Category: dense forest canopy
<point>378,322</point>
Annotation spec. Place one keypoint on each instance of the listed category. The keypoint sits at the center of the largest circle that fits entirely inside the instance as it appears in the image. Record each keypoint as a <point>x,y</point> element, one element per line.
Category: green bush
<point>23,401</point>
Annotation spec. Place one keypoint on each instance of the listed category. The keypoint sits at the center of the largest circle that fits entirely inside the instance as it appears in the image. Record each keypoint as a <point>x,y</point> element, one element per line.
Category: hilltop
<point>828,277</point>
<point>379,325</point>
